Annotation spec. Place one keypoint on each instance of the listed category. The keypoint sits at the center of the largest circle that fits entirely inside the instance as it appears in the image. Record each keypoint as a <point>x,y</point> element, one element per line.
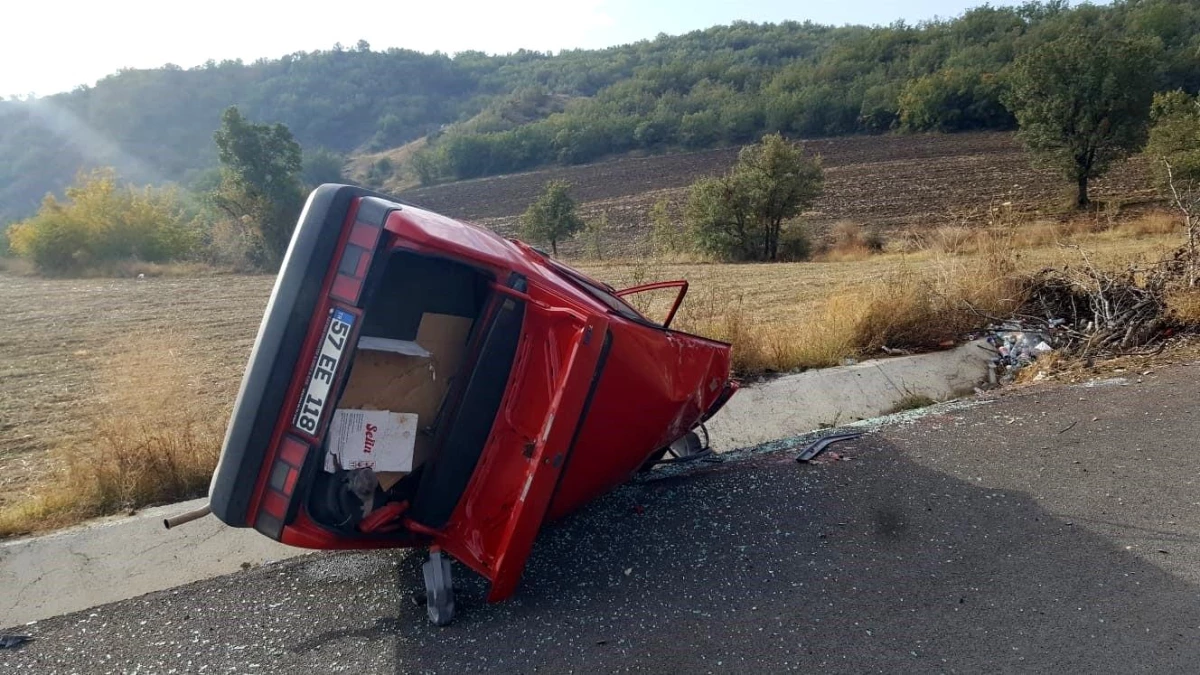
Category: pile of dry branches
<point>1093,312</point>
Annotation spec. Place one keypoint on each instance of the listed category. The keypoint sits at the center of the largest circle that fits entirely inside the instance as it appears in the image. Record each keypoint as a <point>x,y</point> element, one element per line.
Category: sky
<point>55,45</point>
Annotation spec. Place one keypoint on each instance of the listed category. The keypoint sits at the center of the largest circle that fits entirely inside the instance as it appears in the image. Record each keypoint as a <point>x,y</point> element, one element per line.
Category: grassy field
<point>94,366</point>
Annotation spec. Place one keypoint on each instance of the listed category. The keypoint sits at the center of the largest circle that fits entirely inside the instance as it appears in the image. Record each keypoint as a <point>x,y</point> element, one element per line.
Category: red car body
<point>574,390</point>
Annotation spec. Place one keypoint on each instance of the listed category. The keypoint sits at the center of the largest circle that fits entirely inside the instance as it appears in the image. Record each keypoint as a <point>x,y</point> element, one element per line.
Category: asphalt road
<point>1053,530</point>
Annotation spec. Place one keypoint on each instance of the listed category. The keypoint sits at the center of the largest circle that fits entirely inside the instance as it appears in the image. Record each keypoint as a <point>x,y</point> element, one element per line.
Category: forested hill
<point>493,114</point>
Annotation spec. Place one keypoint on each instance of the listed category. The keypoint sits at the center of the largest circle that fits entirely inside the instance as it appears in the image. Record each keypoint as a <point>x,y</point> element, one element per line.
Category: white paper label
<point>371,439</point>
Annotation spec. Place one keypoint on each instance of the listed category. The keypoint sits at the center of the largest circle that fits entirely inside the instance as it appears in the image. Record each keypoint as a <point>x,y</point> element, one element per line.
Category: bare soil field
<point>887,182</point>
<point>58,333</point>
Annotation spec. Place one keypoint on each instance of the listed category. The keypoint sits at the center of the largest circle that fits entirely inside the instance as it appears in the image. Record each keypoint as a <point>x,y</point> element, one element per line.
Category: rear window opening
<point>417,348</point>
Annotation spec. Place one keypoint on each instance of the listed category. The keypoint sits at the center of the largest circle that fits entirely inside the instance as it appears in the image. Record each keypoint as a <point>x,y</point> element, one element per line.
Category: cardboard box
<point>405,383</point>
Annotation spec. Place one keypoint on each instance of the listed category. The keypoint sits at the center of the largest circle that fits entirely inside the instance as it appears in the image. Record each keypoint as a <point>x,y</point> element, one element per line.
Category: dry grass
<point>125,269</point>
<point>966,240</point>
<point>907,308</point>
<point>1152,224</point>
<point>850,241</point>
<point>358,168</point>
<point>1184,306</point>
<point>1047,364</point>
<point>782,317</point>
<point>911,401</point>
<point>150,441</point>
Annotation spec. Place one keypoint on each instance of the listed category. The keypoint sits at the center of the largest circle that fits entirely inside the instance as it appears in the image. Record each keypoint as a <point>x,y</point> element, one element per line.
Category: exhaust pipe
<point>188,517</point>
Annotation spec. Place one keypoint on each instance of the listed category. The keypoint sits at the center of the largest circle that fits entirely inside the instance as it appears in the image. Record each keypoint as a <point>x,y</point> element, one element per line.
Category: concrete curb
<point>795,404</point>
<point>122,558</point>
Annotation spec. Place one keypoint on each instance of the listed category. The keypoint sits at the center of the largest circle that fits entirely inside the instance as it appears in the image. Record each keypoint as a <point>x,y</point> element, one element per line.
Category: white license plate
<point>324,368</point>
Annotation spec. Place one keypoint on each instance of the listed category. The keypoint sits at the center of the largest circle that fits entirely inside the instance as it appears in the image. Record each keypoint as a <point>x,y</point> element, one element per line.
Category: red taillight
<point>293,451</point>
<point>356,259</point>
<point>285,472</point>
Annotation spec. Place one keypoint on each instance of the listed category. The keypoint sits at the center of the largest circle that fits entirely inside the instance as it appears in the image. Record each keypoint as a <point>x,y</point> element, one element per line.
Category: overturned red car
<point>418,381</point>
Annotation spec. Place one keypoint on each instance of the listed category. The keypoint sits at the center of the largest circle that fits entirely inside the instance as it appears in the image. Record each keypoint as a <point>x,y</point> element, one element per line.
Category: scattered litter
<point>819,446</point>
<point>1068,427</point>
<point>1016,348</point>
<point>13,641</point>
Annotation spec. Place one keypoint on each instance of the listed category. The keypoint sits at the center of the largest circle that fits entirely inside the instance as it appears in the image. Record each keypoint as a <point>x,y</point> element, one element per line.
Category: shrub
<point>103,221</point>
<point>850,241</point>
<point>381,170</point>
<point>235,244</point>
<point>322,166</point>
<point>596,229</point>
<point>1184,305</point>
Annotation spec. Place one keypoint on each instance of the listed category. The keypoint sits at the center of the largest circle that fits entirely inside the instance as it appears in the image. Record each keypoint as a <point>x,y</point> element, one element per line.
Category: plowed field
<point>890,182</point>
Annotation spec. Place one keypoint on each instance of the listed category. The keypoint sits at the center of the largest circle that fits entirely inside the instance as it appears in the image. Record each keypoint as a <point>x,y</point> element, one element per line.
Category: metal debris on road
<point>817,447</point>
<point>13,641</point>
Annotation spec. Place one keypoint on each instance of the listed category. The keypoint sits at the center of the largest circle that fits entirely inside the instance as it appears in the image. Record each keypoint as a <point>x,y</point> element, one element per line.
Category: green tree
<point>552,217</point>
<point>953,100</point>
<point>1174,147</point>
<point>428,165</point>
<point>1082,100</point>
<point>1175,139</point>
<point>322,166</point>
<point>260,179</point>
<point>740,216</point>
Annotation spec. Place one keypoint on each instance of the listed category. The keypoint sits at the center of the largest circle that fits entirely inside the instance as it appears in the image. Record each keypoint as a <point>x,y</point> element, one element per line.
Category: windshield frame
<point>602,292</point>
